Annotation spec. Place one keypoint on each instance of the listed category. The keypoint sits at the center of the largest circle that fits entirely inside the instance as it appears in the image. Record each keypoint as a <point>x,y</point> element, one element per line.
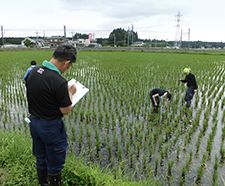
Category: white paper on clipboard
<point>81,90</point>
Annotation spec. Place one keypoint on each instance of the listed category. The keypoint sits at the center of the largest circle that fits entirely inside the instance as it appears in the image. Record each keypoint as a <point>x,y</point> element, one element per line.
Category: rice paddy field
<point>114,126</point>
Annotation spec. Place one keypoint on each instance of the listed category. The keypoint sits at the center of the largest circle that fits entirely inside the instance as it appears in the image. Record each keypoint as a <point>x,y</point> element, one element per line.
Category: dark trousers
<point>49,144</point>
<point>189,95</point>
<point>155,107</point>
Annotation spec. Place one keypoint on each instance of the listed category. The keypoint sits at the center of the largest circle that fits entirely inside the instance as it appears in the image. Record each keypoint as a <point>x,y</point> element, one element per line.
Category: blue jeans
<point>189,95</point>
<point>49,144</point>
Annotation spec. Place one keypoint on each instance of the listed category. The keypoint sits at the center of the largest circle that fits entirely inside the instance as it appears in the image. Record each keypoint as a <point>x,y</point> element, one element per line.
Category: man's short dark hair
<point>65,52</point>
<point>169,96</point>
<point>33,62</point>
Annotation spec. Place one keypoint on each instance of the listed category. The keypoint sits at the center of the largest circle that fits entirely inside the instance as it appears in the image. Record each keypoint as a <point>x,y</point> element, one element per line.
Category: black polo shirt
<point>47,90</point>
<point>190,80</point>
<point>157,91</point>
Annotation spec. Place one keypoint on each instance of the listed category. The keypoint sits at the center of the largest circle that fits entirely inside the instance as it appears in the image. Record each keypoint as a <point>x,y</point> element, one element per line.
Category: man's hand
<point>180,80</point>
<point>72,89</point>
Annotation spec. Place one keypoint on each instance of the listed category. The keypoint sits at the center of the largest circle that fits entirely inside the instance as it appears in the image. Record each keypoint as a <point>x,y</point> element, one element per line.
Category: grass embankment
<point>17,166</point>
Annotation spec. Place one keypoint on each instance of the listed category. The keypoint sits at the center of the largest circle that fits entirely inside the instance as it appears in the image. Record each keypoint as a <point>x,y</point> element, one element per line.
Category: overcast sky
<point>150,18</point>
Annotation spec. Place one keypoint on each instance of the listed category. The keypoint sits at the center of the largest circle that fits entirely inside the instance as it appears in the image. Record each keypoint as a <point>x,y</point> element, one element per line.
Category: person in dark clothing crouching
<point>191,84</point>
<point>156,94</point>
<point>49,99</point>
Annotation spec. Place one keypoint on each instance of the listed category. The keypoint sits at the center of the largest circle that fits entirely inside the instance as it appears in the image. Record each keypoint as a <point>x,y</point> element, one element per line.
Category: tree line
<point>122,38</point>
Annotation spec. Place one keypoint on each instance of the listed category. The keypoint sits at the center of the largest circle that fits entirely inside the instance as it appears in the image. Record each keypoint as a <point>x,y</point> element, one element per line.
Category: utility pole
<point>128,36</point>
<point>64,29</point>
<point>72,35</point>
<point>178,16</point>
<point>181,35</point>
<point>132,35</point>
<point>36,42</point>
<point>114,40</point>
<point>2,36</point>
<point>189,36</point>
<point>36,35</point>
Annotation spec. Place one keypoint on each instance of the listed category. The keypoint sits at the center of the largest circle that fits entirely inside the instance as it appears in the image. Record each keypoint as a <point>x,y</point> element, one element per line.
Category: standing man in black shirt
<point>191,84</point>
<point>49,98</point>
<point>156,94</point>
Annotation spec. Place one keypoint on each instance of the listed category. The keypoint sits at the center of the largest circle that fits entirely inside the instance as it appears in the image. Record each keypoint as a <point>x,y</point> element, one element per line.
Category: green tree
<point>28,42</point>
<point>80,36</point>
<point>119,37</point>
<point>103,41</point>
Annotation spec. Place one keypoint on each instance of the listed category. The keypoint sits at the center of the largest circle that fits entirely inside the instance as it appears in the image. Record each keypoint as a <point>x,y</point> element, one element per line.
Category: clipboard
<point>81,91</point>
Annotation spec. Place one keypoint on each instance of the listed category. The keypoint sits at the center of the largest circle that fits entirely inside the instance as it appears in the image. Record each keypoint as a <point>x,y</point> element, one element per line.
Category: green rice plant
<point>205,126</point>
<point>161,157</point>
<point>138,149</point>
<point>156,167</point>
<point>131,160</point>
<point>80,139</point>
<point>223,104</point>
<point>189,161</point>
<point>127,147</point>
<point>170,167</point>
<point>215,173</point>
<point>120,155</point>
<point>182,177</point>
<point>109,149</point>
<point>201,169</point>
<point>97,142</point>
<point>223,134</point>
<point>222,153</point>
<point>201,133</point>
<point>178,153</point>
<point>210,140</point>
<point>73,135</point>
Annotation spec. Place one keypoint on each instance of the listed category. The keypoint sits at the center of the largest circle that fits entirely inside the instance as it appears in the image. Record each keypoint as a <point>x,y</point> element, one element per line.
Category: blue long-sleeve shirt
<point>28,72</point>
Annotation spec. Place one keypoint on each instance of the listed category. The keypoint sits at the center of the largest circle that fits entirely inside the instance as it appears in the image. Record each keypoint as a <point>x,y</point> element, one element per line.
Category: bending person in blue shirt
<point>33,64</point>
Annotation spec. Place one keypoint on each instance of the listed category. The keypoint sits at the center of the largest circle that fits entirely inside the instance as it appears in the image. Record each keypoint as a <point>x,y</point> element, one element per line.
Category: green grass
<point>17,166</point>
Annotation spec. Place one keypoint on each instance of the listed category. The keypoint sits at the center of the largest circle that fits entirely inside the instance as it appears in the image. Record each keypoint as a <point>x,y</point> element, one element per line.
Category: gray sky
<point>150,18</point>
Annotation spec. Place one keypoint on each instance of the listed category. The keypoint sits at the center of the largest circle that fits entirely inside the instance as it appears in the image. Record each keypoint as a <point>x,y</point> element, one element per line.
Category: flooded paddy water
<point>114,127</point>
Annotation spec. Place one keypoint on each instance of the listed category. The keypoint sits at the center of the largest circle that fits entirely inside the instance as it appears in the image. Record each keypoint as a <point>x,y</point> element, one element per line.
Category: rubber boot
<point>55,180</point>
<point>42,177</point>
<point>155,110</point>
<point>188,104</point>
